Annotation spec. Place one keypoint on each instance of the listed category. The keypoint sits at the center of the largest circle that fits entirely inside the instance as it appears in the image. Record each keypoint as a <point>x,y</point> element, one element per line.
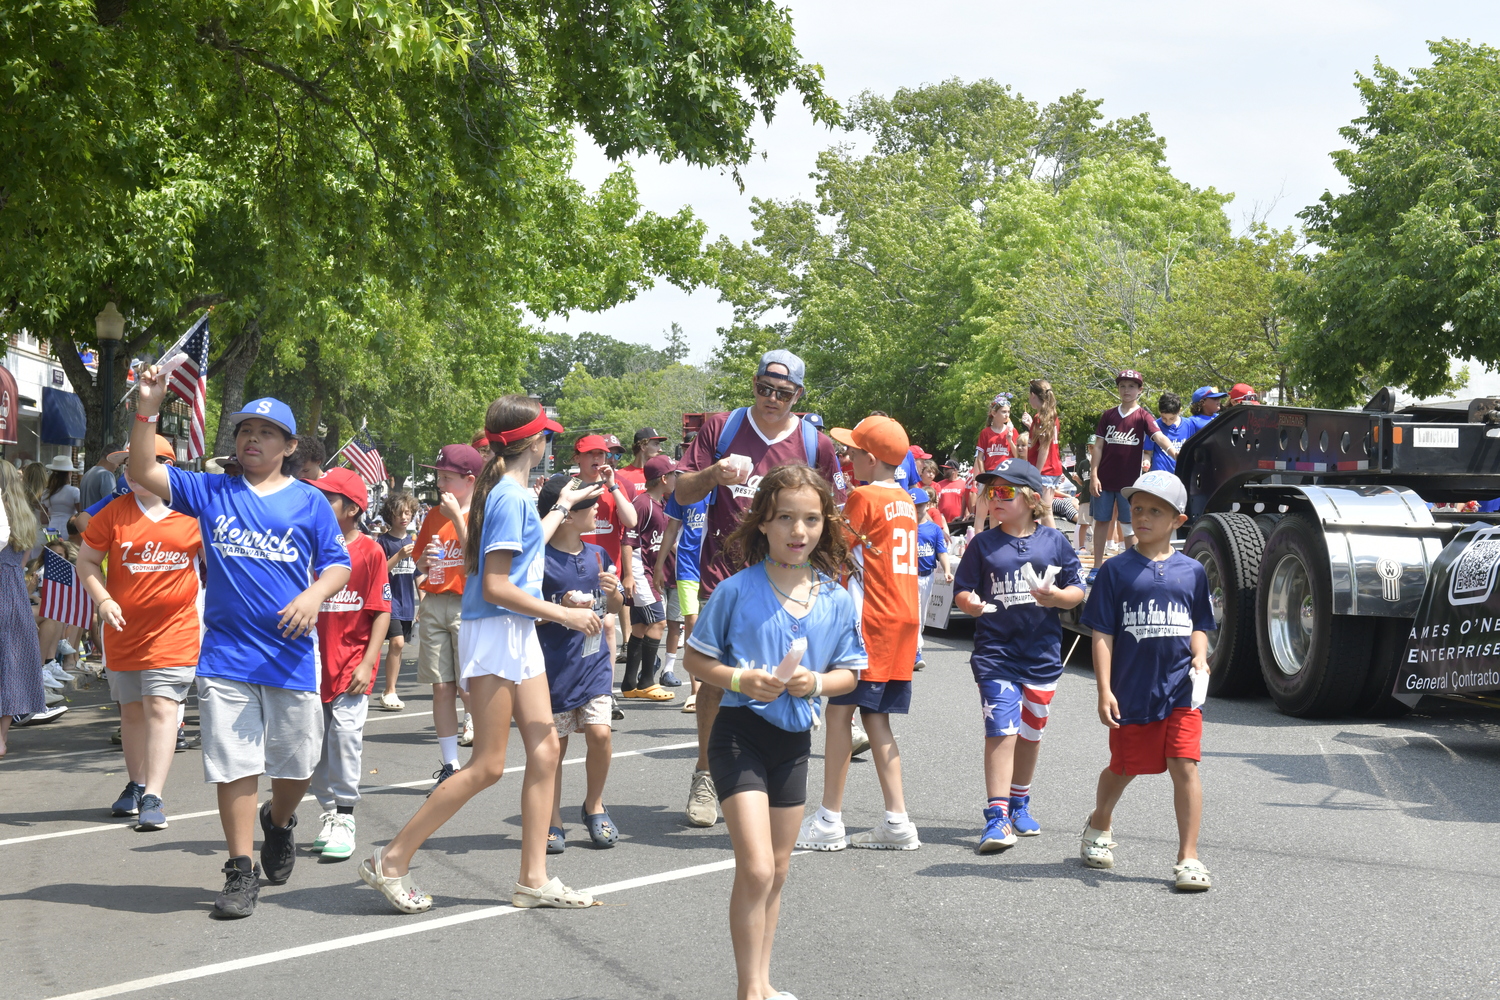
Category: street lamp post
<point>110,326</point>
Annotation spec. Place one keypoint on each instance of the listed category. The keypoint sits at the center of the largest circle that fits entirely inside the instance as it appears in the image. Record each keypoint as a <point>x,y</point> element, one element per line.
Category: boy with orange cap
<point>882,524</point>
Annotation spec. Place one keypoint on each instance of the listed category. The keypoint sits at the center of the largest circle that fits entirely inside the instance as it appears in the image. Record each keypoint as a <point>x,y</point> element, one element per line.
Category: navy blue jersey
<point>1020,640</point>
<point>402,575</point>
<point>1152,609</point>
<point>575,679</point>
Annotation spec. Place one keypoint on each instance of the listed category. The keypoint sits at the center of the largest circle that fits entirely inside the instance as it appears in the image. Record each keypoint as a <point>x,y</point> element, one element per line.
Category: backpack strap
<point>810,443</point>
<point>727,435</point>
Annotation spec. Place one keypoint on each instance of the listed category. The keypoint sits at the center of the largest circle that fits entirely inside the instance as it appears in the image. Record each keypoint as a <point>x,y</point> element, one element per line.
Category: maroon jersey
<point>728,502</point>
<point>645,542</point>
<point>1121,439</point>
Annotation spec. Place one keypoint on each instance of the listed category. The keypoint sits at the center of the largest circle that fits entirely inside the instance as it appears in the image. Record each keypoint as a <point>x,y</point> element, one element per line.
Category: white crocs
<point>1191,875</point>
<point>553,894</point>
<point>399,890</point>
<point>1095,851</point>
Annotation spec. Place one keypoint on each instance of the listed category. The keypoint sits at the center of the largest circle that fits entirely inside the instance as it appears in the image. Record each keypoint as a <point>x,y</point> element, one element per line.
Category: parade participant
<point>1017,656</point>
<point>1205,406</point>
<point>999,439</point>
<point>951,494</point>
<point>267,535</point>
<point>1115,457</point>
<point>580,675</point>
<point>500,661</point>
<point>21,690</point>
<point>440,545</point>
<point>932,549</point>
<point>613,515</point>
<point>881,522</point>
<point>399,509</point>
<point>1043,430</point>
<point>786,597</point>
<point>311,455</point>
<point>148,610</point>
<point>647,445</point>
<point>1150,614</point>
<point>1177,429</point>
<point>352,626</point>
<point>648,611</point>
<point>724,465</point>
<point>1241,394</point>
<point>682,549</point>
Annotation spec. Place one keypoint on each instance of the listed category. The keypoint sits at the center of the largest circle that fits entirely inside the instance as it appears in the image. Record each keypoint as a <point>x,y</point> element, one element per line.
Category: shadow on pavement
<point>124,898</point>
<point>96,815</point>
<point>1071,869</point>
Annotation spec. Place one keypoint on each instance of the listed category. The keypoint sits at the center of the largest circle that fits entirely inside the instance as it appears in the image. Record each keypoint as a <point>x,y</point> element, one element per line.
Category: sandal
<point>554,894</point>
<point>1096,851</point>
<point>557,840</point>
<point>399,890</point>
<point>690,707</point>
<point>601,828</point>
<point>1191,876</point>
<point>390,703</point>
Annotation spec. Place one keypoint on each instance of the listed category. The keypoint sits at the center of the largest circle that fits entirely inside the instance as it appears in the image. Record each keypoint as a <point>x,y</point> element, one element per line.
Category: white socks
<point>829,818</point>
<point>448,748</point>
<point>895,819</point>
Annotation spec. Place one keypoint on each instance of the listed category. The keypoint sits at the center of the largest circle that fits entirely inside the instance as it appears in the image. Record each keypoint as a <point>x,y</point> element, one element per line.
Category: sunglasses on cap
<point>1249,396</point>
<point>1000,491</point>
<point>782,395</point>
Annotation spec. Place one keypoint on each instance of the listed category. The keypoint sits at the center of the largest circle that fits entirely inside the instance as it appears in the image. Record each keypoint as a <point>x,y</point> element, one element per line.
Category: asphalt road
<point>1350,859</point>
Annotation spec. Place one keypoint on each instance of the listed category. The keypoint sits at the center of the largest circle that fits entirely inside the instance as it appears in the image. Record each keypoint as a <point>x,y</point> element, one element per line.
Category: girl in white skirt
<point>500,661</point>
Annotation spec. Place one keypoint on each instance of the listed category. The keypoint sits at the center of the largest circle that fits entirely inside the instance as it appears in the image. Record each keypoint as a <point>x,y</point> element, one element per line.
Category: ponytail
<point>504,414</point>
<point>1043,436</point>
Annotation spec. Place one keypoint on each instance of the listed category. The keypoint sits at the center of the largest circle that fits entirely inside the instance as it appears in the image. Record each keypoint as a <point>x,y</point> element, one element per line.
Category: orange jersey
<point>882,525</point>
<point>446,575</point>
<point>151,572</point>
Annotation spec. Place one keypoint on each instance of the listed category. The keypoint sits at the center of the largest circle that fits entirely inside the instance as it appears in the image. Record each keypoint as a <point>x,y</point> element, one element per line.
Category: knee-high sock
<point>631,681</point>
<point>649,648</point>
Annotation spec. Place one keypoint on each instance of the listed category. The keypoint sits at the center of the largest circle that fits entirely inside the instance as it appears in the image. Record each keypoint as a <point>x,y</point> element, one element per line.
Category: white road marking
<point>369,937</point>
<point>129,825</point>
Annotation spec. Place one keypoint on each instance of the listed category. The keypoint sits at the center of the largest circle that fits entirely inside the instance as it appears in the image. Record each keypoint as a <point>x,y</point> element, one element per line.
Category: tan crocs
<point>553,894</point>
<point>1095,850</point>
<point>1191,876</point>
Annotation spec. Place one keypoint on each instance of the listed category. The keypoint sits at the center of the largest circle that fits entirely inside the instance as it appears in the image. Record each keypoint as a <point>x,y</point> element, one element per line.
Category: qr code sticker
<point>1473,576</point>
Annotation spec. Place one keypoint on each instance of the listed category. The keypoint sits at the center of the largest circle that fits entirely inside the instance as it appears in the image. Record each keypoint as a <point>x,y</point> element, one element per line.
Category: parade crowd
<point>775,578</point>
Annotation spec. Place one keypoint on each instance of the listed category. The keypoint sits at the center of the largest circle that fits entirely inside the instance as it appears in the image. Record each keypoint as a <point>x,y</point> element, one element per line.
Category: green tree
<point>621,404</point>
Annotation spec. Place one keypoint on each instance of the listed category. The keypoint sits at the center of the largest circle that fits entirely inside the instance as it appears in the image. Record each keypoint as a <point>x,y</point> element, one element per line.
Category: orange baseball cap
<point>880,436</point>
<point>164,449</point>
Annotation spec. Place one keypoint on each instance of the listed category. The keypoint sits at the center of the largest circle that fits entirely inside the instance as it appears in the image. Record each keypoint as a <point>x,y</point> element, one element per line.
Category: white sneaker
<point>325,828</point>
<point>819,836</point>
<point>885,837</point>
<point>1095,850</point>
<point>466,738</point>
<point>340,842</point>
<point>861,741</point>
<point>51,681</point>
<point>54,669</point>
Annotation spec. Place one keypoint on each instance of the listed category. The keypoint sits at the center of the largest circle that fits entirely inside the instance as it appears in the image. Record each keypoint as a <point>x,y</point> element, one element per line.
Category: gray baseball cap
<point>795,369</point>
<point>1161,483</point>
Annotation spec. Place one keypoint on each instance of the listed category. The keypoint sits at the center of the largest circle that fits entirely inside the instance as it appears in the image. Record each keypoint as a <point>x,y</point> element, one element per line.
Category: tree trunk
<point>234,366</point>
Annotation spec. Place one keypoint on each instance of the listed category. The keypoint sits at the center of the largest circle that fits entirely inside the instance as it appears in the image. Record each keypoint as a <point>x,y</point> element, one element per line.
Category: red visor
<point>541,423</point>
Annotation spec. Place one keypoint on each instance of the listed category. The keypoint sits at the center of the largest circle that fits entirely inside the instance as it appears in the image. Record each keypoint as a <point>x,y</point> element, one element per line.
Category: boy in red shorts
<point>1150,613</point>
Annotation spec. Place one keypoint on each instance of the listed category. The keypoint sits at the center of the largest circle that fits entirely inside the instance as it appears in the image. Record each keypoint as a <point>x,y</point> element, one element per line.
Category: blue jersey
<point>690,539</point>
<point>906,475</point>
<point>262,551</point>
<point>1020,640</point>
<point>931,539</point>
<point>1176,433</point>
<point>1152,609</point>
<point>744,625</point>
<point>575,679</point>
<point>511,525</point>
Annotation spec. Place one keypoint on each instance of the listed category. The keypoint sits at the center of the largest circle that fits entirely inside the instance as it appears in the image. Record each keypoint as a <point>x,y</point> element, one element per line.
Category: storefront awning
<point>10,408</point>
<point>63,421</point>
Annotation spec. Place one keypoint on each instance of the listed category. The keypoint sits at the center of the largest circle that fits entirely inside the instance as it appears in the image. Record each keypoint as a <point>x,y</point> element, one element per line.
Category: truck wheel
<point>1375,700</point>
<point>1314,662</point>
<point>1229,547</point>
<point>1267,523</point>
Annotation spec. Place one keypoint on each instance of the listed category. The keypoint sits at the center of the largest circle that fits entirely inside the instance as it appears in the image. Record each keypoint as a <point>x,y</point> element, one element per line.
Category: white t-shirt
<point>60,506</point>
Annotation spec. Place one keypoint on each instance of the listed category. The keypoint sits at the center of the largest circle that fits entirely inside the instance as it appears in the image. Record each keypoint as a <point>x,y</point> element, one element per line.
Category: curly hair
<point>748,545</point>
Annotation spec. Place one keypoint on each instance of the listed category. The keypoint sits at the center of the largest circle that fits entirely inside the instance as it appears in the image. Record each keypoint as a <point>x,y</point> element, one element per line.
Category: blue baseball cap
<point>1207,392</point>
<point>1016,471</point>
<point>268,409</point>
<point>815,419</point>
<point>795,369</point>
<point>920,496</point>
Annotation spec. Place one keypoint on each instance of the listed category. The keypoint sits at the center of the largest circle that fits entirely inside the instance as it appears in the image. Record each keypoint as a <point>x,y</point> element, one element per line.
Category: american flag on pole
<point>63,597</point>
<point>365,458</point>
<point>190,382</point>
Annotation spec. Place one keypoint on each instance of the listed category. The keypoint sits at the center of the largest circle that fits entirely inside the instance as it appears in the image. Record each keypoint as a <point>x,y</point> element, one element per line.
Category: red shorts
<point>1145,748</point>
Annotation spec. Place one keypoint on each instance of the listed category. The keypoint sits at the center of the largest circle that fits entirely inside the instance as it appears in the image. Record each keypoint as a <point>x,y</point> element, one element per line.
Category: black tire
<point>1267,523</point>
<point>1315,663</point>
<point>1229,547</point>
<point>1375,699</point>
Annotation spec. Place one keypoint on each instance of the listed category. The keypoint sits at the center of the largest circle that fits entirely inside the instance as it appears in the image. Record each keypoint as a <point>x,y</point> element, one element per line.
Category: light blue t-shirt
<point>262,551</point>
<point>744,625</point>
<point>690,539</point>
<point>511,525</point>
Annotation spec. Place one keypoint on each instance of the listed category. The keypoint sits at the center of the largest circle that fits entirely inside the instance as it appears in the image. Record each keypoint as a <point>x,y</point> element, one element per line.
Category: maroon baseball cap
<point>660,466</point>
<point>344,483</point>
<point>460,458</point>
<point>1132,374</point>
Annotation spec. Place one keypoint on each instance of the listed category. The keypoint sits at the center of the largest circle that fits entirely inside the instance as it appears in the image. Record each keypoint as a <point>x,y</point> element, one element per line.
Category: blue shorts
<point>647,614</point>
<point>1015,708</point>
<point>879,697</point>
<point>1108,504</point>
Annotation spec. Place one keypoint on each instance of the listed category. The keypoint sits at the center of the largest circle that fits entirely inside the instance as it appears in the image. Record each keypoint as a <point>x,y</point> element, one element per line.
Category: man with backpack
<point>725,464</point>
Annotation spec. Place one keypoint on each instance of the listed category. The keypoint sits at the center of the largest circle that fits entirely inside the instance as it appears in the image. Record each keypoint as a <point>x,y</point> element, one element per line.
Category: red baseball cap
<point>1242,393</point>
<point>918,453</point>
<point>460,458</point>
<point>344,483</point>
<point>590,442</point>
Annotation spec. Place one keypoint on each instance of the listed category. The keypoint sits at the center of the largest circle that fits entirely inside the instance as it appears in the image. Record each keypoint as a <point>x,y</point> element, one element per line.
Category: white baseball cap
<point>1163,484</point>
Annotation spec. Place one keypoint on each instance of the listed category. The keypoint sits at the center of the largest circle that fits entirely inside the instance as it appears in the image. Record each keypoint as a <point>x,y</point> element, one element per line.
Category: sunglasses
<point>782,395</point>
<point>1000,491</point>
<point>1250,396</point>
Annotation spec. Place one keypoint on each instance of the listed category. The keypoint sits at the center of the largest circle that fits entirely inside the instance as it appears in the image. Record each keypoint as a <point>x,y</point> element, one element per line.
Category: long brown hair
<point>1042,436</point>
<point>748,545</point>
<point>18,510</point>
<point>505,413</point>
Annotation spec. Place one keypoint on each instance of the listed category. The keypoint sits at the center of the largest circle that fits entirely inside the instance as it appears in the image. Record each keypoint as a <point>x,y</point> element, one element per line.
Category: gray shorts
<point>126,686</point>
<point>250,729</point>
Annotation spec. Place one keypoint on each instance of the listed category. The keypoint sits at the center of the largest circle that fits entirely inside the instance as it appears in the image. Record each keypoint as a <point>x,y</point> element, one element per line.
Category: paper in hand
<point>742,466</point>
<point>791,661</point>
<point>171,365</point>
<point>1043,582</point>
<point>1200,688</point>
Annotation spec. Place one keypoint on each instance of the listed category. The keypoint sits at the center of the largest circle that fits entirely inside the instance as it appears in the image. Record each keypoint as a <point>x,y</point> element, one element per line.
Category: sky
<point>1249,97</point>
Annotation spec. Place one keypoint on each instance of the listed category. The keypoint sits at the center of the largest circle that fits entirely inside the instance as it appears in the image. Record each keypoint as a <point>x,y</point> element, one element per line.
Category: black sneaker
<point>442,774</point>
<point>186,742</point>
<point>129,802</point>
<point>278,851</point>
<point>241,889</point>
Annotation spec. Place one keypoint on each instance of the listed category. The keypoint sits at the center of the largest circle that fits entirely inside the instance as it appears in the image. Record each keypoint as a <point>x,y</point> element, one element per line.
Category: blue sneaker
<point>153,815</point>
<point>670,680</point>
<point>998,833</point>
<point>1020,817</point>
<point>1093,575</point>
<point>129,802</point>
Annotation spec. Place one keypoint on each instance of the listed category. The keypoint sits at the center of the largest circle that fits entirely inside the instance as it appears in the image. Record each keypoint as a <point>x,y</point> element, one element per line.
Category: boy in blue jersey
<point>679,554</point>
<point>1177,429</point>
<point>1150,614</point>
<point>932,548</point>
<point>274,554</point>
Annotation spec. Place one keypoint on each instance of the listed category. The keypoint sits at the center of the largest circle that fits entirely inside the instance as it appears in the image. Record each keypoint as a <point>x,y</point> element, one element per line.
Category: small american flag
<point>63,597</point>
<point>366,459</point>
<point>190,382</point>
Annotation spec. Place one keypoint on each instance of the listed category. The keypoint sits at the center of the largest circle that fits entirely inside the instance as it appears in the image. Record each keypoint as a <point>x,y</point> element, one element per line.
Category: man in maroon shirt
<point>1115,455</point>
<point>769,434</point>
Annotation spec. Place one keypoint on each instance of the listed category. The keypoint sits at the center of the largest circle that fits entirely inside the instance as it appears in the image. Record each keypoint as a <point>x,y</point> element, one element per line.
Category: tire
<point>1375,700</point>
<point>1267,523</point>
<point>1315,663</point>
<point>1229,548</point>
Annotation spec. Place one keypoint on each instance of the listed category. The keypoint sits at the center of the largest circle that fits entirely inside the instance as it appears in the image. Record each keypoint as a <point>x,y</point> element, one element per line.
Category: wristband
<point>734,680</point>
<point>817,691</point>
<point>148,420</point>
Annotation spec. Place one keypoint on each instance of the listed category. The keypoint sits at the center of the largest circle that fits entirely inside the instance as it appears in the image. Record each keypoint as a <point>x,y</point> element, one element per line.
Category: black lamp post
<point>110,327</point>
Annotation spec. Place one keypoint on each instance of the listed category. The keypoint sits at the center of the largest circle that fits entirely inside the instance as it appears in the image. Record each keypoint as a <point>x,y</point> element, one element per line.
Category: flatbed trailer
<point>1335,586</point>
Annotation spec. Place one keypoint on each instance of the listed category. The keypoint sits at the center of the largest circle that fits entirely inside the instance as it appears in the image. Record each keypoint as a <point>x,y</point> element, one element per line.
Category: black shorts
<point>878,697</point>
<point>399,630</point>
<point>648,614</point>
<point>748,754</point>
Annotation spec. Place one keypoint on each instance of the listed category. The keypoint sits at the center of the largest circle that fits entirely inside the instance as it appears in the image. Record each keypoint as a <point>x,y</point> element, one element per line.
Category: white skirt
<point>504,646</point>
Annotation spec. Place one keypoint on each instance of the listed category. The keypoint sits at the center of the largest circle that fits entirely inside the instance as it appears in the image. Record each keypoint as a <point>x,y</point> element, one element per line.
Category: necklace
<point>812,588</point>
<point>782,565</point>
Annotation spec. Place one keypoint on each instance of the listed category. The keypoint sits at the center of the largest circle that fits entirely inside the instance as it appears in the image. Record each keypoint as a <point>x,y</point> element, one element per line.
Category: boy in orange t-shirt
<point>882,524</point>
<point>148,611</point>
